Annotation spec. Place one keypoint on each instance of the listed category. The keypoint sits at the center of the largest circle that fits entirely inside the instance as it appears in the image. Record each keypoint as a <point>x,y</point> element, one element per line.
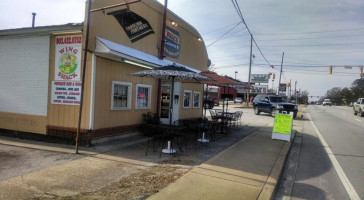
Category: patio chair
<point>236,117</point>
<point>180,134</point>
<point>193,128</point>
<point>154,135</point>
<point>213,114</point>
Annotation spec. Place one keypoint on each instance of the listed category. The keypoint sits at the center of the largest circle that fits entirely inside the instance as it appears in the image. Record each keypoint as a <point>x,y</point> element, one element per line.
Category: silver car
<point>238,100</point>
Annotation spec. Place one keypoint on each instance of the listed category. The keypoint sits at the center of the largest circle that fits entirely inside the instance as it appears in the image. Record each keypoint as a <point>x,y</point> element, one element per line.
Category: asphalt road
<point>318,175</point>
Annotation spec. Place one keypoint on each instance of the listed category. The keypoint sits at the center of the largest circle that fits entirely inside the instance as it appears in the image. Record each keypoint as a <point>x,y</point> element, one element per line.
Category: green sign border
<point>283,124</point>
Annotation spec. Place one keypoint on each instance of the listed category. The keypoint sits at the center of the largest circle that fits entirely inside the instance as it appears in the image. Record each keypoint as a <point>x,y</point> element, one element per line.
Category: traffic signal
<point>288,84</point>
<point>361,70</point>
<point>330,69</point>
<point>274,76</point>
<point>269,75</point>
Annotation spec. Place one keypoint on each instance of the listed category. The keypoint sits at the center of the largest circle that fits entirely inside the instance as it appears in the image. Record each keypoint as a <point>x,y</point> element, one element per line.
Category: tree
<point>357,89</point>
<point>303,97</point>
<point>347,95</point>
<point>334,95</point>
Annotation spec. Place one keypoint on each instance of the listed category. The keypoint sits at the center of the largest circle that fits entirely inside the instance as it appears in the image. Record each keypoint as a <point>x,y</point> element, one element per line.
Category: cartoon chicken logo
<point>67,63</point>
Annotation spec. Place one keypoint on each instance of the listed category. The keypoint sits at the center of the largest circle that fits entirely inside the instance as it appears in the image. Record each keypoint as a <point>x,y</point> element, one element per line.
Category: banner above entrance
<point>135,26</point>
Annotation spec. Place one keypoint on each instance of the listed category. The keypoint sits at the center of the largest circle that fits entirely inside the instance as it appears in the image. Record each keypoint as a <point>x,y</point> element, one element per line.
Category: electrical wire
<point>312,32</point>
<point>237,8</point>
<point>224,34</point>
<point>217,29</point>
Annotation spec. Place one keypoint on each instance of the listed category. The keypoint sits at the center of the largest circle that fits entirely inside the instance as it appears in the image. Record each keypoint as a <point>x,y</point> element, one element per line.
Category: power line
<point>223,34</point>
<point>312,32</point>
<point>312,45</point>
<point>218,29</point>
<point>237,8</point>
<point>311,38</point>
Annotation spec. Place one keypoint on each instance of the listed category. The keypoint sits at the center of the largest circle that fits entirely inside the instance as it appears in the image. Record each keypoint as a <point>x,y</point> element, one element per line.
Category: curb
<point>277,171</point>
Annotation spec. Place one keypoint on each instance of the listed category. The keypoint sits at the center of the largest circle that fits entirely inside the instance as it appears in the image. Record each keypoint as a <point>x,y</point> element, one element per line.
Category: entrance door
<point>166,100</point>
<point>165,103</point>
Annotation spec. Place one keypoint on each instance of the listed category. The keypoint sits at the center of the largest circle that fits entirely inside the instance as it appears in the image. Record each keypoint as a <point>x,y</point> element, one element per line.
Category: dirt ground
<point>149,180</point>
<point>135,186</point>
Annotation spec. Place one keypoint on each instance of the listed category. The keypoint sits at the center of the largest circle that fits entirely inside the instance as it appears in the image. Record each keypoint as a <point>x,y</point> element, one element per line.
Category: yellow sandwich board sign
<point>282,127</point>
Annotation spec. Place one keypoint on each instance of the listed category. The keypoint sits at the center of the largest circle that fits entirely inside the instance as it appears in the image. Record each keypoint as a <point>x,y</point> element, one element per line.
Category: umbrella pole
<point>207,86</point>
<point>223,104</point>
<point>159,94</point>
<point>227,102</point>
<point>171,103</point>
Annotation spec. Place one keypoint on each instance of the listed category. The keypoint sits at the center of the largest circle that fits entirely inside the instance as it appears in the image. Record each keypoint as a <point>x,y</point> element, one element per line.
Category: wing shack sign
<point>68,57</point>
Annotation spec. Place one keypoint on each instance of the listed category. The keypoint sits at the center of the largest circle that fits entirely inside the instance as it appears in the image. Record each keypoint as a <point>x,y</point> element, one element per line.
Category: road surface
<point>331,159</point>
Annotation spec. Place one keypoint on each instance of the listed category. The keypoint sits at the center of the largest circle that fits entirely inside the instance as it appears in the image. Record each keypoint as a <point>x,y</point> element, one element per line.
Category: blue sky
<point>312,34</point>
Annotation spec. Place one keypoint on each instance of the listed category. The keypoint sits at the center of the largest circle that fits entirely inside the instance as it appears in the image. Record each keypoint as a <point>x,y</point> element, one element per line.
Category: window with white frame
<point>187,99</point>
<point>121,95</point>
<point>143,96</point>
<point>196,99</point>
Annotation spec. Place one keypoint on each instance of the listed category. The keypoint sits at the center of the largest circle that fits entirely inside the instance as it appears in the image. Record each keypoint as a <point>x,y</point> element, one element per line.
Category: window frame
<point>149,106</point>
<point>199,98</point>
<point>130,88</point>
<point>184,97</point>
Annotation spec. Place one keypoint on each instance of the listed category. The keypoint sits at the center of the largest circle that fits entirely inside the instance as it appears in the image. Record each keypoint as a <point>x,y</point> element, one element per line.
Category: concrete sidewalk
<point>250,169</point>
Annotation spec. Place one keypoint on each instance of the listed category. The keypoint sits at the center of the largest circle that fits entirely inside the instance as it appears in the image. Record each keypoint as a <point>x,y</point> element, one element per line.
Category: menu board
<point>282,127</point>
<point>66,92</point>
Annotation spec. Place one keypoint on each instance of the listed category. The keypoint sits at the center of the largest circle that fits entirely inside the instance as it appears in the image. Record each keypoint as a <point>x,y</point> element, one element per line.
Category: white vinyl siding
<point>24,71</point>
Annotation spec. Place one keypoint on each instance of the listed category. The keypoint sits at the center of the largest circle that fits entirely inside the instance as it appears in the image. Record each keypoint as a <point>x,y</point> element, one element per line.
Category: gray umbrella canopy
<point>172,72</point>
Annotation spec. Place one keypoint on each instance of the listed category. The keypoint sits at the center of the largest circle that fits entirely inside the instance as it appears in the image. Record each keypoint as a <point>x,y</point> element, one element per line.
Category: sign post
<point>282,127</point>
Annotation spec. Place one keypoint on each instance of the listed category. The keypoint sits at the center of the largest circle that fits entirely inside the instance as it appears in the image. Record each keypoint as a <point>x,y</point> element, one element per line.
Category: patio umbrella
<point>219,81</point>
<point>172,72</point>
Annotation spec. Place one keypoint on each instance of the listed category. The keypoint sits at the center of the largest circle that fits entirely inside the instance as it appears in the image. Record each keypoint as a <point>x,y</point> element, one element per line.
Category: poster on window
<point>68,57</point>
<point>66,92</point>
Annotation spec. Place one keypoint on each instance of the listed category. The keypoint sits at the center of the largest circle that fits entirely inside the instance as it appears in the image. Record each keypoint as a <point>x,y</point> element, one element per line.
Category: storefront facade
<point>121,40</point>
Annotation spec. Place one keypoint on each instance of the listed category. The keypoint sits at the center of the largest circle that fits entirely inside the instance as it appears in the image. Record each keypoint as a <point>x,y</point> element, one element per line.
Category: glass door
<point>165,103</point>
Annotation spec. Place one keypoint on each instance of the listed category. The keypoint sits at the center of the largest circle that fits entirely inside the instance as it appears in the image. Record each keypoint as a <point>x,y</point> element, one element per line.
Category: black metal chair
<point>179,133</point>
<point>154,135</point>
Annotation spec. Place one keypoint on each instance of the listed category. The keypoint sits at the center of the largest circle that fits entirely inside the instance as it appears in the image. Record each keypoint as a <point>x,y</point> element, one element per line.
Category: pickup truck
<point>358,107</point>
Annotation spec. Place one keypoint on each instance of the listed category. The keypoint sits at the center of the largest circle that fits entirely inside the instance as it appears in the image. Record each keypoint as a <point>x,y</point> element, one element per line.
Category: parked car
<point>271,103</point>
<point>327,102</point>
<point>208,103</point>
<point>358,107</point>
<point>238,100</point>
<point>216,101</point>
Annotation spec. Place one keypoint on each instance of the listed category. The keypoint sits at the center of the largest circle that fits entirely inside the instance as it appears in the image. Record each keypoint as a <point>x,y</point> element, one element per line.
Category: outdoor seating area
<point>191,134</point>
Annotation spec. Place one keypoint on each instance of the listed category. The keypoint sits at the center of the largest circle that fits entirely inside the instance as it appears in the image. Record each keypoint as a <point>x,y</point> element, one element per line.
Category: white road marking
<point>348,186</point>
<point>358,120</point>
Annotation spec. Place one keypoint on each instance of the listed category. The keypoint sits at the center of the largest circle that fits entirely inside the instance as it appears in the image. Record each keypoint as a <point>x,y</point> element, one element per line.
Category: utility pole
<point>250,67</point>
<point>280,75</point>
<point>83,76</point>
<point>295,92</point>
<point>235,74</point>
<point>161,56</point>
<point>290,87</point>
